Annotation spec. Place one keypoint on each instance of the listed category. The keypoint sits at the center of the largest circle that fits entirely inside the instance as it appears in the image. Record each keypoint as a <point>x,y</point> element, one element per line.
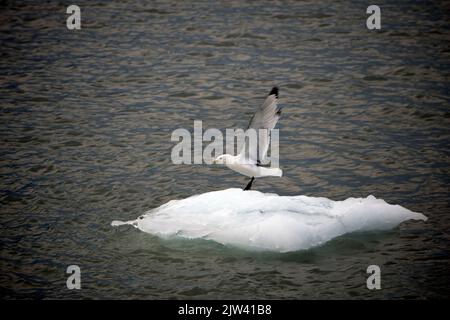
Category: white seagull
<point>249,163</point>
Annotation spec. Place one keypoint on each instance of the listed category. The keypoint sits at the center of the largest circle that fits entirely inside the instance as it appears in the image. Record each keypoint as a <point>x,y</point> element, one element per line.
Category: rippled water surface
<point>86,119</point>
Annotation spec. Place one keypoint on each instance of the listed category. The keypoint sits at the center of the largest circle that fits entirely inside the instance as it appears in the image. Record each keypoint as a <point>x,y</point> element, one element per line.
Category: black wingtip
<point>274,91</point>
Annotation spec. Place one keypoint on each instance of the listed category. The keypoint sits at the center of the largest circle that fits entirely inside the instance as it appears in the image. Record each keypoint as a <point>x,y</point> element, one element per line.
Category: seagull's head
<point>223,159</point>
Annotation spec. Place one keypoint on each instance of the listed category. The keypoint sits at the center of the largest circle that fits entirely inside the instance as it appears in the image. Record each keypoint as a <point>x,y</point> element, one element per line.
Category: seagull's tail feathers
<point>117,223</point>
<point>275,172</point>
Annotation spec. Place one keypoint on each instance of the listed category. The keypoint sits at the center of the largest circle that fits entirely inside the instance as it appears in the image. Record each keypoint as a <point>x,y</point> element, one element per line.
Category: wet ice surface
<point>86,119</point>
<point>258,221</point>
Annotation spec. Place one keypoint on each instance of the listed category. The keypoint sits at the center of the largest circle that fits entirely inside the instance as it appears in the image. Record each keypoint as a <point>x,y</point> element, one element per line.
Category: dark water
<point>86,119</point>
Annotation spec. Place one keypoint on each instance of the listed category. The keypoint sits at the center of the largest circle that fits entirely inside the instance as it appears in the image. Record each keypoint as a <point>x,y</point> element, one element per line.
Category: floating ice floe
<point>267,221</point>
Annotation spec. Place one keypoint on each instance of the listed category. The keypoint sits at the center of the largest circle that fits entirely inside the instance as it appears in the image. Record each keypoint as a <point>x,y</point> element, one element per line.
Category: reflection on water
<point>86,118</point>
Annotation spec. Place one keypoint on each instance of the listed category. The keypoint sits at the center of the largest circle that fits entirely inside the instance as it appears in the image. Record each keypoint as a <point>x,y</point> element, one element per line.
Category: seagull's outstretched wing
<point>266,117</point>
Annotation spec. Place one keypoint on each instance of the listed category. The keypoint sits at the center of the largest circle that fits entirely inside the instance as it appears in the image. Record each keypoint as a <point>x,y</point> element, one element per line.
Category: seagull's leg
<point>249,185</point>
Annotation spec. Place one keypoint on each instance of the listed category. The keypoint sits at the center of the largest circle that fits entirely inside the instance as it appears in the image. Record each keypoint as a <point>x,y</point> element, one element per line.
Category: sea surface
<point>86,118</point>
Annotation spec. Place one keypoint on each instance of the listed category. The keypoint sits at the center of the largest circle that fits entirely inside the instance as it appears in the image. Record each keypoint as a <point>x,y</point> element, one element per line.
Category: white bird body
<point>252,170</point>
<point>248,162</point>
<point>249,169</point>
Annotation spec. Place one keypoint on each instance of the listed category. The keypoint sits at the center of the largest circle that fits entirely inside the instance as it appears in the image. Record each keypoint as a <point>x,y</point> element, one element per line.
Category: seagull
<point>248,163</point>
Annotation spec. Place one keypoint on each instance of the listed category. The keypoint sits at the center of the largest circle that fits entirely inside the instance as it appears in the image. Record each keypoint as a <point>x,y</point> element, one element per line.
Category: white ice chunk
<point>267,221</point>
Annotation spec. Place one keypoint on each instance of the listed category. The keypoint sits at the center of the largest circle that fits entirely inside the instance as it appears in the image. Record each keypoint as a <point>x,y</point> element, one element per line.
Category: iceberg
<point>265,221</point>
